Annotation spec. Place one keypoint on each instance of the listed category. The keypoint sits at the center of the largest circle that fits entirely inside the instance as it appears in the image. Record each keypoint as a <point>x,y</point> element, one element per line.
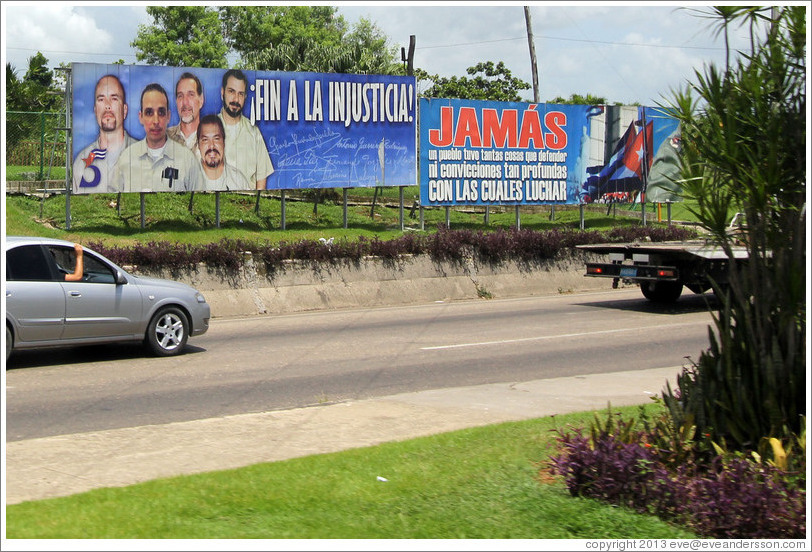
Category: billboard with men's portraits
<point>175,129</point>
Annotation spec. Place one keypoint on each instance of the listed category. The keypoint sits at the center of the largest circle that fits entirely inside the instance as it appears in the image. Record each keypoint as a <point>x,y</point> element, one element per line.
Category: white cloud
<point>55,29</point>
<point>586,48</point>
<point>580,48</point>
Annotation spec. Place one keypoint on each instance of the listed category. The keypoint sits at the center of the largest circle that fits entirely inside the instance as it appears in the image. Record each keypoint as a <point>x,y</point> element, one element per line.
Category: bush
<point>744,141</point>
<point>724,497</point>
<point>741,499</point>
<point>608,469</point>
<point>444,245</point>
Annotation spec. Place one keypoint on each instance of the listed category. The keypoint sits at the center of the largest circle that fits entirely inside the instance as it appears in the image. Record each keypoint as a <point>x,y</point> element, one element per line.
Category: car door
<point>96,308</point>
<point>34,295</point>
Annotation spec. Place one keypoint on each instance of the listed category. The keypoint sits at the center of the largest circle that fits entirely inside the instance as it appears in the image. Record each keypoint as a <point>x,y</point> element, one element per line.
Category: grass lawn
<point>32,172</point>
<point>168,217</point>
<point>479,483</point>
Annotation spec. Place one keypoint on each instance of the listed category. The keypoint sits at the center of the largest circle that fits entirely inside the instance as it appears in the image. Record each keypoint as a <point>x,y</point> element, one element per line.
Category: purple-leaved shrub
<point>448,245</point>
<point>724,498</point>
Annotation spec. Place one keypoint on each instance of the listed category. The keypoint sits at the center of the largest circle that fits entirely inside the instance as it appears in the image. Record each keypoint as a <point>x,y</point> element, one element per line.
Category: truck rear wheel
<point>661,292</point>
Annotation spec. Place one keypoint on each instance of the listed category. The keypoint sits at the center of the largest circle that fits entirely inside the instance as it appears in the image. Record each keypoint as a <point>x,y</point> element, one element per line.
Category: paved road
<point>273,363</point>
<point>68,464</point>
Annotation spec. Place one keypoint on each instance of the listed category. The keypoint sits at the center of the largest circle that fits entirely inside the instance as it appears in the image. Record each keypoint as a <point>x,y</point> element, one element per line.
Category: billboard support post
<point>344,194</point>
<point>518,219</point>
<point>216,209</point>
<point>143,208</point>
<point>41,175</point>
<point>282,208</point>
<point>374,199</point>
<point>581,215</point>
<point>400,211</point>
<point>316,199</point>
<point>68,141</point>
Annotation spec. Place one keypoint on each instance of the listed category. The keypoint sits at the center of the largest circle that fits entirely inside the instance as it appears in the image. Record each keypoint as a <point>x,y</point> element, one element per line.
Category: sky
<point>628,53</point>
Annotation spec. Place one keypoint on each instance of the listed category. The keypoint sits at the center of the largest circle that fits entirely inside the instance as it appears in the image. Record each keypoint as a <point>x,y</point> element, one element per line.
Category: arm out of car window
<point>79,271</point>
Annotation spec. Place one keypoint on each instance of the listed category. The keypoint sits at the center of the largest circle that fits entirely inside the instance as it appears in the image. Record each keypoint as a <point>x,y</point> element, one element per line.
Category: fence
<point>35,146</point>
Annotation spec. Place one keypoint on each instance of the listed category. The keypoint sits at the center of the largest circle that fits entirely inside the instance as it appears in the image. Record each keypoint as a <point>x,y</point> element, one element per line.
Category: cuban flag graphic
<point>622,177</point>
<point>94,154</point>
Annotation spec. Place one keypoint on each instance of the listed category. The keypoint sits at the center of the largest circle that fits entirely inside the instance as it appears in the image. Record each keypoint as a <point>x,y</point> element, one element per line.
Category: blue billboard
<point>499,153</point>
<point>144,128</point>
<point>476,152</point>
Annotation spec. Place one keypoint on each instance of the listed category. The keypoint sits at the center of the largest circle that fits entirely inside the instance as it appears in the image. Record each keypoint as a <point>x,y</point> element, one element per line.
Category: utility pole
<point>531,43</point>
<point>534,70</point>
<point>408,60</point>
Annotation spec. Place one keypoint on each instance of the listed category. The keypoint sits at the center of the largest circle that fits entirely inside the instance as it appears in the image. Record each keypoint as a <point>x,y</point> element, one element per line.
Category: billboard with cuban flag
<point>475,152</point>
<point>150,129</point>
<point>642,165</point>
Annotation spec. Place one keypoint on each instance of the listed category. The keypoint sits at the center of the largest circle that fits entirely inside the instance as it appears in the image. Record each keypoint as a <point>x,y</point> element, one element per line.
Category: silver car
<point>105,304</point>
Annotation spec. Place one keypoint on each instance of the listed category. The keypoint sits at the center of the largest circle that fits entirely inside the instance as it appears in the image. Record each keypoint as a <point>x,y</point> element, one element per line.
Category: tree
<point>35,92</point>
<point>488,81</point>
<point>38,73</point>
<point>182,36</point>
<point>372,52</point>
<point>577,99</point>
<point>282,38</point>
<point>250,30</point>
<point>38,86</point>
<point>18,126</point>
<point>364,50</point>
<point>744,147</point>
<point>15,94</point>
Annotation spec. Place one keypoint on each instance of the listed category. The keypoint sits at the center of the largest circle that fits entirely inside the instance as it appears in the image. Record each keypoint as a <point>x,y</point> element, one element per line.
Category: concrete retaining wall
<point>303,286</point>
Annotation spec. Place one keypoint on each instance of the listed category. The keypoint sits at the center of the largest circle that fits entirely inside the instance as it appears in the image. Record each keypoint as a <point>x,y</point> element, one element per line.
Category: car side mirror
<point>120,278</point>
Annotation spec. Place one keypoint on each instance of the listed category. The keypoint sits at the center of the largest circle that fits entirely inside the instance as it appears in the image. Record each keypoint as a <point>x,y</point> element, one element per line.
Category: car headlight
<point>200,298</point>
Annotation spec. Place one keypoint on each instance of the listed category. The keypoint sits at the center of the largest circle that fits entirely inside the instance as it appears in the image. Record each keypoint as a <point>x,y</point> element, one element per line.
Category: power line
<point>573,40</point>
<point>67,52</point>
<point>563,39</point>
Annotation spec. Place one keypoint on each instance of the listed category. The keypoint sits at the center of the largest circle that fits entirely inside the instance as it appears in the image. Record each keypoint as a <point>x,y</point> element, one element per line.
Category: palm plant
<point>744,145</point>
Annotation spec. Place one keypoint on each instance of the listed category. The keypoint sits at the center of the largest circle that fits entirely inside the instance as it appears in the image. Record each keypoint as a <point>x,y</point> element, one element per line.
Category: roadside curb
<point>412,279</point>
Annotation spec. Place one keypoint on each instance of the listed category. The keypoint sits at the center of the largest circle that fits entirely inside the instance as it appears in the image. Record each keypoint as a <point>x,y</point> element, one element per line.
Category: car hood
<point>160,282</point>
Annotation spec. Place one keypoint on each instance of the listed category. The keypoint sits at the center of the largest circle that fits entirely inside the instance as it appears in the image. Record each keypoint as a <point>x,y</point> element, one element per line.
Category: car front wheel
<point>9,342</point>
<point>167,332</point>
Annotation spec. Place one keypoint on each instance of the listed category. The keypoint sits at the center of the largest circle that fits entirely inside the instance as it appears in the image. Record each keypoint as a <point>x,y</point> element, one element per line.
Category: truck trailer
<point>663,269</point>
